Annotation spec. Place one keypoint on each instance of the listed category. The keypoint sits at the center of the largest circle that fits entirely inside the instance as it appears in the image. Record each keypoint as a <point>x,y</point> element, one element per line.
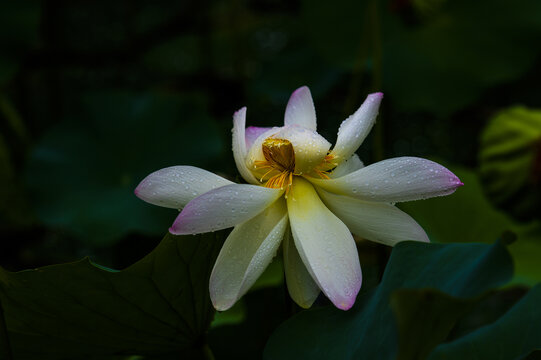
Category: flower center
<point>279,163</point>
<point>278,168</point>
<point>279,153</point>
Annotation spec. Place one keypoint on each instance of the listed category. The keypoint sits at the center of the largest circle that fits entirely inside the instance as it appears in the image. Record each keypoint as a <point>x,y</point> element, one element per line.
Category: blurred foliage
<point>19,33</point>
<point>96,95</point>
<point>448,58</point>
<point>438,60</point>
<point>13,207</point>
<point>510,161</point>
<point>94,163</point>
<point>158,306</point>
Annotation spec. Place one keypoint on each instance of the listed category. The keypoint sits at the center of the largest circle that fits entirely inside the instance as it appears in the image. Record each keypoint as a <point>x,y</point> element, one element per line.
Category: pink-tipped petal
<point>246,253</point>
<point>394,180</point>
<point>379,222</point>
<point>239,146</point>
<point>223,207</point>
<point>325,245</point>
<point>175,186</point>
<point>300,109</point>
<point>355,128</point>
<point>252,133</point>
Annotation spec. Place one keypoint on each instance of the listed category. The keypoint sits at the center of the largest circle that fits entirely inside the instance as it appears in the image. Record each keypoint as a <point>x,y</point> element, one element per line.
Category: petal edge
<point>394,180</point>
<point>239,145</point>
<point>300,109</point>
<point>173,187</point>
<point>379,222</point>
<point>325,245</point>
<point>356,127</point>
<point>223,207</point>
<point>246,253</point>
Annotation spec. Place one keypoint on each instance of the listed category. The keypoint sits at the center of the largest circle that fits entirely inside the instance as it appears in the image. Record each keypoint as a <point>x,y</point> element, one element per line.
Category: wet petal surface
<point>310,147</point>
<point>223,207</point>
<point>379,222</point>
<point>300,109</point>
<point>175,186</point>
<point>246,253</point>
<point>239,145</point>
<point>394,180</point>
<point>355,128</point>
<point>325,245</point>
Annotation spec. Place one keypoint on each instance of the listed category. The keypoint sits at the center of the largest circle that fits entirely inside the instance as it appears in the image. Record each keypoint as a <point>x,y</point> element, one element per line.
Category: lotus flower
<point>303,195</point>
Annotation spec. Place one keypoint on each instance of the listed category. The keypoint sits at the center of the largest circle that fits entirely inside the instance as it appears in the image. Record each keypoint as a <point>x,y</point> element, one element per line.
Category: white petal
<point>393,180</point>
<point>302,288</point>
<point>350,165</point>
<point>379,222</point>
<point>223,207</point>
<point>325,245</point>
<point>175,186</point>
<point>239,145</point>
<point>246,253</point>
<point>310,147</point>
<point>252,133</point>
<point>300,109</point>
<point>355,128</point>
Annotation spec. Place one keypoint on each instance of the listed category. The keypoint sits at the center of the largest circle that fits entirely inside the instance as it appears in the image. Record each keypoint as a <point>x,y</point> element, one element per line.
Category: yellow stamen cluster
<point>278,167</point>
<point>279,163</point>
<point>328,164</point>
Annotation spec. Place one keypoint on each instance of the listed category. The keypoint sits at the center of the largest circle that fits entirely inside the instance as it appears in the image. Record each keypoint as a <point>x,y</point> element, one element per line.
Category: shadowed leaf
<point>160,305</point>
<point>424,319</point>
<point>513,336</point>
<point>368,329</point>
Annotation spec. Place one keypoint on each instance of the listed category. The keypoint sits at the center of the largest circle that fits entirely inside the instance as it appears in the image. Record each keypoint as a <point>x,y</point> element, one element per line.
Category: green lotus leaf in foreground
<point>369,331</point>
<point>158,306</point>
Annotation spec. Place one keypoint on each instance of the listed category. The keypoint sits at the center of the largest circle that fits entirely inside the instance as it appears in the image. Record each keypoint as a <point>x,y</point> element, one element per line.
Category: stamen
<point>262,164</point>
<point>279,153</point>
<point>322,174</point>
<point>328,164</point>
<point>271,170</point>
<point>280,162</point>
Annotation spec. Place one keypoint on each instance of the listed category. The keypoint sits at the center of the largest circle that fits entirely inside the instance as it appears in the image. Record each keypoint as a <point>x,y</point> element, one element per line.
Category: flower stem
<point>207,352</point>
<point>5,347</point>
